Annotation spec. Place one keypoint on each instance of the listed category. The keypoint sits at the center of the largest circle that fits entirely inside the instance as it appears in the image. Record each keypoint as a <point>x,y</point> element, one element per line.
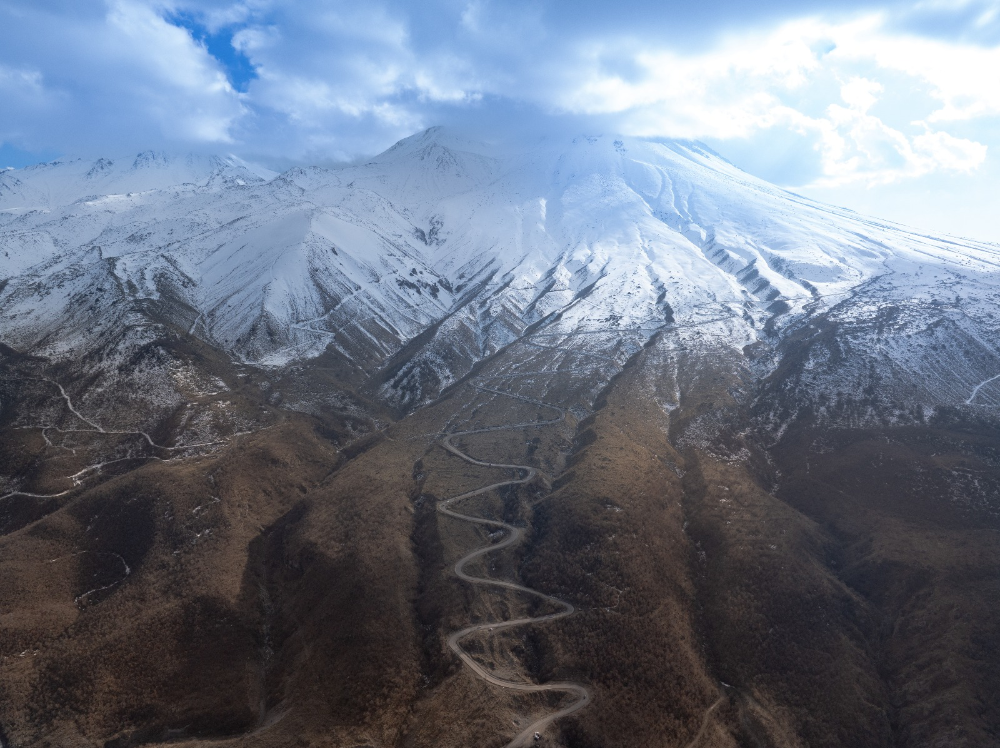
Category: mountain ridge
<point>463,217</point>
<point>403,453</point>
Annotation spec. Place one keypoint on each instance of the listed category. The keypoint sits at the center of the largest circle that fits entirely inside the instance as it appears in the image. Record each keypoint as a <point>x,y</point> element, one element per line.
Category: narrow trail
<point>69,404</point>
<point>979,387</point>
<point>638,329</point>
<point>81,599</point>
<point>514,535</point>
<point>36,495</point>
<point>98,429</point>
<point>588,354</point>
<point>77,477</point>
<point>705,722</point>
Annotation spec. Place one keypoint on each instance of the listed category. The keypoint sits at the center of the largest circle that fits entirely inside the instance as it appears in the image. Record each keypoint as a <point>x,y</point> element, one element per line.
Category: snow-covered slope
<point>59,183</point>
<point>465,245</point>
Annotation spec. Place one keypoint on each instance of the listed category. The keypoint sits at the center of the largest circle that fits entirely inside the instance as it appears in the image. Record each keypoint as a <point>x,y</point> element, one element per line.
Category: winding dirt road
<point>705,721</point>
<point>979,387</point>
<point>77,478</point>
<point>514,534</point>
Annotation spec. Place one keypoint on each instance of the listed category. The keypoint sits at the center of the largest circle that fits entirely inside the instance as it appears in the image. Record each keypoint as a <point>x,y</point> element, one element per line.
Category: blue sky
<point>888,108</point>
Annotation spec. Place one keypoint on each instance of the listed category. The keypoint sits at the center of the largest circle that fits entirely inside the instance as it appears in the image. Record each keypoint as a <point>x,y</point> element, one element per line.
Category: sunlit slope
<point>465,243</point>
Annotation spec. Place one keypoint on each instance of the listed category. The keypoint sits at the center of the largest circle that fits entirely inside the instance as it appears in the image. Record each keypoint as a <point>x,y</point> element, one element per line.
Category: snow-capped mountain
<point>467,245</point>
<point>731,456</point>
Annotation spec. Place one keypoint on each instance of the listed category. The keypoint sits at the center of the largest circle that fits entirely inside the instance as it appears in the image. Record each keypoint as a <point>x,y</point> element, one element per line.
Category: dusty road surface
<point>514,535</point>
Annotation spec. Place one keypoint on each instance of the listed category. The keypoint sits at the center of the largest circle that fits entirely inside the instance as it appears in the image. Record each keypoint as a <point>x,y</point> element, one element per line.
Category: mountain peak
<point>149,159</point>
<point>646,226</point>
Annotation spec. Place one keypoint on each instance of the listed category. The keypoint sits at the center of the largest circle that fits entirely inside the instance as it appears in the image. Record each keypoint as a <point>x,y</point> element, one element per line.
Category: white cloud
<point>949,152</point>
<point>22,91</point>
<point>337,79</point>
<point>860,94</point>
<point>964,78</point>
<point>856,146</point>
<point>351,74</point>
<point>754,83</point>
<point>504,24</point>
<point>107,77</point>
<point>172,67</point>
<point>13,79</point>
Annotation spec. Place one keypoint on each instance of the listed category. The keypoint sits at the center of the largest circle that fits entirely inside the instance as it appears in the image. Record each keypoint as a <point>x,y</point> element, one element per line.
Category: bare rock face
<point>737,455</point>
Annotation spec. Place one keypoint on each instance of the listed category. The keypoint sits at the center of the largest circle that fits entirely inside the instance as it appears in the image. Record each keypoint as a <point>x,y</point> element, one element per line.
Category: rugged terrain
<point>602,439</point>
